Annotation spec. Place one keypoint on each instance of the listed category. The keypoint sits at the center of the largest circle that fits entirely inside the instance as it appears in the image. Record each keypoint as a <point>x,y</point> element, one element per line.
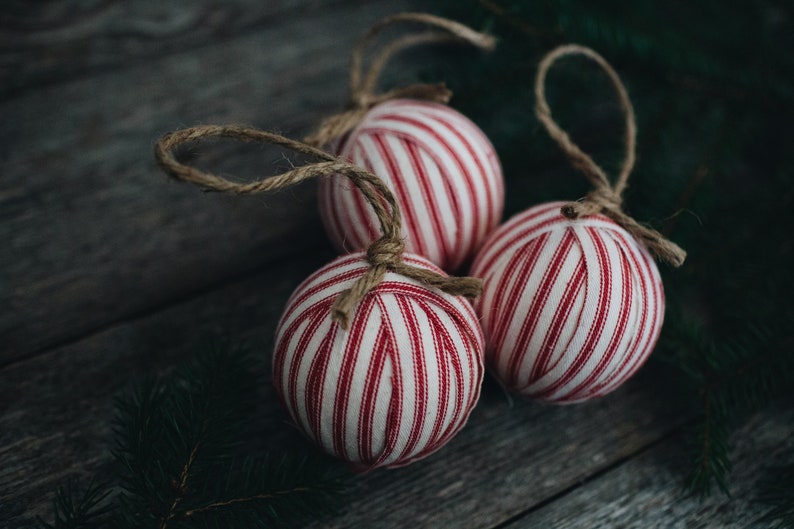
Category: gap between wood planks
<point>201,290</point>
<point>674,432</point>
<point>646,491</point>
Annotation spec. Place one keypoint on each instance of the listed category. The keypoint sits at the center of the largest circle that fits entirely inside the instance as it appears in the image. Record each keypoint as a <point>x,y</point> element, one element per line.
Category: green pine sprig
<point>184,463</point>
<point>734,380</point>
<point>75,507</point>
<point>262,492</point>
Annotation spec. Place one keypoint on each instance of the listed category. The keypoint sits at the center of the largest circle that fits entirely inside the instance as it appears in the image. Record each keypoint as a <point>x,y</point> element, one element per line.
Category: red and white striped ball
<point>395,386</point>
<point>443,172</point>
<point>570,308</point>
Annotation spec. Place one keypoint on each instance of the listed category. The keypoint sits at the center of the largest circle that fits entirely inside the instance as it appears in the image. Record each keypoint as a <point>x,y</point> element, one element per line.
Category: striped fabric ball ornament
<point>570,308</point>
<point>395,386</point>
<point>443,172</point>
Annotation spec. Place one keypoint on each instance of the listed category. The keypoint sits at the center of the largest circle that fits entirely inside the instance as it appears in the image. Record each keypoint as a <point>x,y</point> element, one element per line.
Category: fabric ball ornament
<point>570,308</point>
<point>395,386</point>
<point>442,169</point>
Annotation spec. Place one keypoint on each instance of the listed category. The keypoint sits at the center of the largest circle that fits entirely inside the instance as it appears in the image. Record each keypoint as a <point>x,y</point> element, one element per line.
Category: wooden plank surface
<point>57,408</point>
<point>645,493</point>
<point>507,460</point>
<point>110,272</point>
<point>45,42</point>
<point>92,232</point>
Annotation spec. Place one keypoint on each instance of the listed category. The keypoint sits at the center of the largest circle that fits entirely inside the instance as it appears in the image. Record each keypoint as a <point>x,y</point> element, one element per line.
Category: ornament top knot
<point>363,85</point>
<point>605,198</point>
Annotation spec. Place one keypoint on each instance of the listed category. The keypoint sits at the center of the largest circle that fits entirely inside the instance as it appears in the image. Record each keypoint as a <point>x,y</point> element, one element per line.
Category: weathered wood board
<point>57,407</point>
<point>46,42</point>
<point>93,232</point>
<point>644,492</point>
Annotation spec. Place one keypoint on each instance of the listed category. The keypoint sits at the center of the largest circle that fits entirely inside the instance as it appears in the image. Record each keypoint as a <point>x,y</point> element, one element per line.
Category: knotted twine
<point>362,87</point>
<point>606,198</point>
<point>383,255</point>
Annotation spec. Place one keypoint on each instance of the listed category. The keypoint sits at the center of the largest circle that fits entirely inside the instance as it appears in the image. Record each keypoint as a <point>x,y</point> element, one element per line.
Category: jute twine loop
<point>606,198</point>
<point>384,255</point>
<point>363,85</point>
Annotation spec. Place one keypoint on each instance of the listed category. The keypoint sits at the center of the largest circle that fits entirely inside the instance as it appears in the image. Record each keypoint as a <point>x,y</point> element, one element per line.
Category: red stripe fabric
<point>570,308</point>
<point>442,170</point>
<point>395,386</point>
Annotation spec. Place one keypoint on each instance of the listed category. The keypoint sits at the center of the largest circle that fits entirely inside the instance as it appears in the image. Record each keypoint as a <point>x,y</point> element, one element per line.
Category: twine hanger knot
<point>362,86</point>
<point>386,252</point>
<point>597,201</point>
<point>383,255</point>
<point>606,198</point>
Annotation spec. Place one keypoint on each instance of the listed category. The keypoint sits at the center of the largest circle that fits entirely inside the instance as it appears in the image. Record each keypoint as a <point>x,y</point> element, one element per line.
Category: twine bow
<point>383,255</point>
<point>606,198</point>
<point>362,87</point>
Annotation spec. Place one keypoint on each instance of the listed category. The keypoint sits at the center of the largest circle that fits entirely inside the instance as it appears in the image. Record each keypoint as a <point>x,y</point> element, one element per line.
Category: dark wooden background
<point>109,271</point>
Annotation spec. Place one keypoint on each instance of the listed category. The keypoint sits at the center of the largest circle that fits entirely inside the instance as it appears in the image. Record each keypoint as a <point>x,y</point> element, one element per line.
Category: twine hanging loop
<point>384,255</point>
<point>606,197</point>
<point>363,85</point>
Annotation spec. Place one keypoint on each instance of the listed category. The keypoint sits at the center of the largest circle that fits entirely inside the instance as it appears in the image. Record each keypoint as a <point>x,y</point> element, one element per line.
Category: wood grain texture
<point>45,42</point>
<point>93,232</point>
<point>509,459</point>
<point>57,409</point>
<point>644,492</point>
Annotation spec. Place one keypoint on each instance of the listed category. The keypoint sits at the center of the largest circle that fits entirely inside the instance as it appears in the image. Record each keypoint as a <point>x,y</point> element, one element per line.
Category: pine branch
<point>171,433</point>
<point>181,489</point>
<point>74,508</point>
<point>710,451</point>
<point>266,491</point>
<point>183,465</point>
<point>734,380</point>
<point>221,505</point>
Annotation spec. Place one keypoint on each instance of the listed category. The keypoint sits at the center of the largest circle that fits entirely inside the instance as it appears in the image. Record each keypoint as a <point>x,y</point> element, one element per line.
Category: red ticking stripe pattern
<point>570,308</point>
<point>442,170</point>
<point>394,387</point>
